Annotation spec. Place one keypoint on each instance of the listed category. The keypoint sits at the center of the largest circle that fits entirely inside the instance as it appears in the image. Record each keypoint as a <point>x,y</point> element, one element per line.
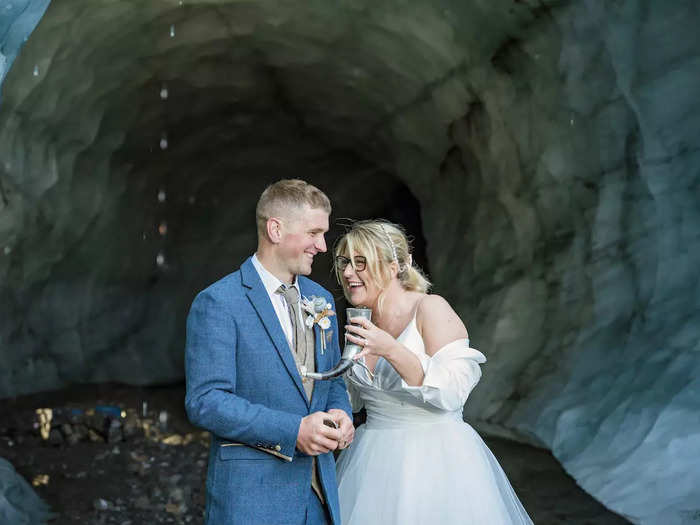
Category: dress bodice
<point>449,376</point>
<point>385,377</point>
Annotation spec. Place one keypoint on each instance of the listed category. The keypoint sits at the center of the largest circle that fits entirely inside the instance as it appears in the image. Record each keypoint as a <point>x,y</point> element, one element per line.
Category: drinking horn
<point>349,352</point>
<point>345,363</point>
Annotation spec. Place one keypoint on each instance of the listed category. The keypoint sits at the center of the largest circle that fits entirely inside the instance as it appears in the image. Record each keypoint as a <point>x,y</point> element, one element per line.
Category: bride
<point>415,460</point>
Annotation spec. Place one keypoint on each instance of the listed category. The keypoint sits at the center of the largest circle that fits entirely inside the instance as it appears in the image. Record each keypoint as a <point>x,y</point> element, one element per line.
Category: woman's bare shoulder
<point>438,323</point>
<point>433,306</point>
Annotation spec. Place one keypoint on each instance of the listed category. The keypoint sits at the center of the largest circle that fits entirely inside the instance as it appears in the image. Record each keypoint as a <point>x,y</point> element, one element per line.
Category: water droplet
<point>36,71</point>
<point>182,2</point>
<point>571,122</point>
<point>164,92</point>
<point>163,228</point>
<point>163,141</point>
<point>172,30</point>
<point>160,259</point>
<point>9,6</point>
<point>161,195</point>
<point>7,250</point>
<point>191,199</point>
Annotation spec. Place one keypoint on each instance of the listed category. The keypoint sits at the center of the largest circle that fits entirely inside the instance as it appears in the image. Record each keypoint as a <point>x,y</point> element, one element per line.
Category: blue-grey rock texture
<point>18,18</point>
<point>19,504</point>
<point>552,147</point>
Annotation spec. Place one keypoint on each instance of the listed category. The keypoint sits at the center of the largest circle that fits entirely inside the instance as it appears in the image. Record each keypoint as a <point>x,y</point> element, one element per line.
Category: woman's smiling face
<point>360,288</point>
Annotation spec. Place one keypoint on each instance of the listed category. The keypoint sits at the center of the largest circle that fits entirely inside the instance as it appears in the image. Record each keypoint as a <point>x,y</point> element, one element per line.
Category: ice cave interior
<point>545,155</point>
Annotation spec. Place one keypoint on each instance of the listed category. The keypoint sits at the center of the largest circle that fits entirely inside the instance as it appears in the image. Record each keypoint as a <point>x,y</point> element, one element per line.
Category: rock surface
<point>551,147</point>
<point>19,504</point>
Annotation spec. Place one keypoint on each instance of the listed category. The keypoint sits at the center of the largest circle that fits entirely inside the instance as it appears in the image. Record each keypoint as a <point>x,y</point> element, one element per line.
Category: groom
<point>248,343</point>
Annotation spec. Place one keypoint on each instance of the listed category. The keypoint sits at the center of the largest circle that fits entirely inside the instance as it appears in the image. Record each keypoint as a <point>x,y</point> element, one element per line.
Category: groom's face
<point>303,236</point>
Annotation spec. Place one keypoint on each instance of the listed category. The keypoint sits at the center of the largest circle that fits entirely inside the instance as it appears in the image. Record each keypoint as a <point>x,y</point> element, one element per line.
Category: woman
<point>415,460</point>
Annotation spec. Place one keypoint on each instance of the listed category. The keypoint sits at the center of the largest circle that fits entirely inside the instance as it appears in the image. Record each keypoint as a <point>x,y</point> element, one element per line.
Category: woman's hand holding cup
<point>372,339</point>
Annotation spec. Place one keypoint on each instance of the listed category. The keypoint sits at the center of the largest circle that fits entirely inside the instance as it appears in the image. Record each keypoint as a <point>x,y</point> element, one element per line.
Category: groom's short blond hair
<point>285,195</point>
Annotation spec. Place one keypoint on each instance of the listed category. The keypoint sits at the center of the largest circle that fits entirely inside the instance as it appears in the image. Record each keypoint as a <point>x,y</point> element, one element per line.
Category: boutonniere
<point>318,311</point>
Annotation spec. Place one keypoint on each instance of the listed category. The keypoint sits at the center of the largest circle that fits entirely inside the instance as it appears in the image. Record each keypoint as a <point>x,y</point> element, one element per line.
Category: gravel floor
<point>105,462</point>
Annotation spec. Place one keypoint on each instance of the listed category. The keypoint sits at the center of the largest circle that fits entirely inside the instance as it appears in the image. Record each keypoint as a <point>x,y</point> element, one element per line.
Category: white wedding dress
<point>415,461</point>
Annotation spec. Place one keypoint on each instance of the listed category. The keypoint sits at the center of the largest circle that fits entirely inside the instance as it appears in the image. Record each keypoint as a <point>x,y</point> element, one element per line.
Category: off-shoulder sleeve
<point>449,375</point>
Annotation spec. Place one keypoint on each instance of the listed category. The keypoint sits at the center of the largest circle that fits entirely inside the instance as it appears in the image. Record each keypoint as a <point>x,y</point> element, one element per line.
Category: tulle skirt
<point>432,473</point>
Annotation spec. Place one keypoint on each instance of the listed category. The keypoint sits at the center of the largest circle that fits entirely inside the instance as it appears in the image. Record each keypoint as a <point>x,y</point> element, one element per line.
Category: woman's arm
<point>451,369</point>
<point>406,364</point>
<point>438,325</point>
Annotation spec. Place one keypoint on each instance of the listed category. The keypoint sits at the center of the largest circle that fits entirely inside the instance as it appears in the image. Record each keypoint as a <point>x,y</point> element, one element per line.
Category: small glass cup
<point>361,311</point>
<point>352,349</point>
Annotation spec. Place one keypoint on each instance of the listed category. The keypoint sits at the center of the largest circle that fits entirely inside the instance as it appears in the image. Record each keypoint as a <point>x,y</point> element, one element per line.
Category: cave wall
<point>551,147</point>
<point>562,219</point>
<point>582,242</point>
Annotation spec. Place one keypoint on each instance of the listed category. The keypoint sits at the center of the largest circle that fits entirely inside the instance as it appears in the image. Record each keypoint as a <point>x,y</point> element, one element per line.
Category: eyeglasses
<point>359,262</point>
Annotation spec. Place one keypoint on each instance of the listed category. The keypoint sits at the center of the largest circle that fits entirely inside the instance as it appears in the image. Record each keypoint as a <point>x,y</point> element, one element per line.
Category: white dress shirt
<point>272,284</point>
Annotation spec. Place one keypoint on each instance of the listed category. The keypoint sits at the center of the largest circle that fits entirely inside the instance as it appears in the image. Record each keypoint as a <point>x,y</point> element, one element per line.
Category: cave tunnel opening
<point>540,153</point>
<point>135,156</point>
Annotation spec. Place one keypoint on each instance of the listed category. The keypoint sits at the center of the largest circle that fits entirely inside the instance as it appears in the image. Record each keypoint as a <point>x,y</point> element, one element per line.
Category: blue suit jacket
<point>243,386</point>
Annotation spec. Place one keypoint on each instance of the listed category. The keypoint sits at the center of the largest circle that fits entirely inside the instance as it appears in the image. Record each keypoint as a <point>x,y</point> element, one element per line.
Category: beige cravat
<point>303,351</point>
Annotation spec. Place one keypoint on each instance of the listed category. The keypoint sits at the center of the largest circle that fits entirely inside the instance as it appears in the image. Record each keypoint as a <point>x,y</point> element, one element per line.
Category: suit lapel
<point>257,294</point>
<point>320,359</point>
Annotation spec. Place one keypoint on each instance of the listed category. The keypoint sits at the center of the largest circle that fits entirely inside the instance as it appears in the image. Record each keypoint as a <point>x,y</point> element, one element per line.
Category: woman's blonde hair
<point>381,243</point>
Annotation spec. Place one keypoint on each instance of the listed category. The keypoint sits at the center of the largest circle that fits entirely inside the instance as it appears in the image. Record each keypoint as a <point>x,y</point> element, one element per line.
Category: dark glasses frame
<point>359,262</point>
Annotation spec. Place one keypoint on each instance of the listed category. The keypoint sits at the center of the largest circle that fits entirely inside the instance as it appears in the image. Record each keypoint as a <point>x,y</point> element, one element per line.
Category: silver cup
<point>352,349</point>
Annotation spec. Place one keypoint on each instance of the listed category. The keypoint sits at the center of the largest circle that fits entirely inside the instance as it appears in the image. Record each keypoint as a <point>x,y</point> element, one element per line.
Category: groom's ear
<point>274,230</point>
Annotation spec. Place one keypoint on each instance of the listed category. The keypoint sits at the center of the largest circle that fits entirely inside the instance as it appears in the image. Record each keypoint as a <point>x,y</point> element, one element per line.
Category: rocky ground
<point>112,454</point>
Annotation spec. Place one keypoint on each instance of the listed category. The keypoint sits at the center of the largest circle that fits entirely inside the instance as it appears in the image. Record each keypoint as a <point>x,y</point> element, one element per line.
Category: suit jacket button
<point>278,448</point>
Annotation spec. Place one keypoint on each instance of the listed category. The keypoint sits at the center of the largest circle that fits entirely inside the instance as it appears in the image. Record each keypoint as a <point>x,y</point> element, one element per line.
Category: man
<point>248,345</point>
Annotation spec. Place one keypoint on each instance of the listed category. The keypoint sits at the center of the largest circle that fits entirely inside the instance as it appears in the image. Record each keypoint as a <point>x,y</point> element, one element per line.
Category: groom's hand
<point>347,430</point>
<point>315,437</point>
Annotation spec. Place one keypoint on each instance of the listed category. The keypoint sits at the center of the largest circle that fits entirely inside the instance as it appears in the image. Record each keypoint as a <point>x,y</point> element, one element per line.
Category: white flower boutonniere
<point>318,312</point>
